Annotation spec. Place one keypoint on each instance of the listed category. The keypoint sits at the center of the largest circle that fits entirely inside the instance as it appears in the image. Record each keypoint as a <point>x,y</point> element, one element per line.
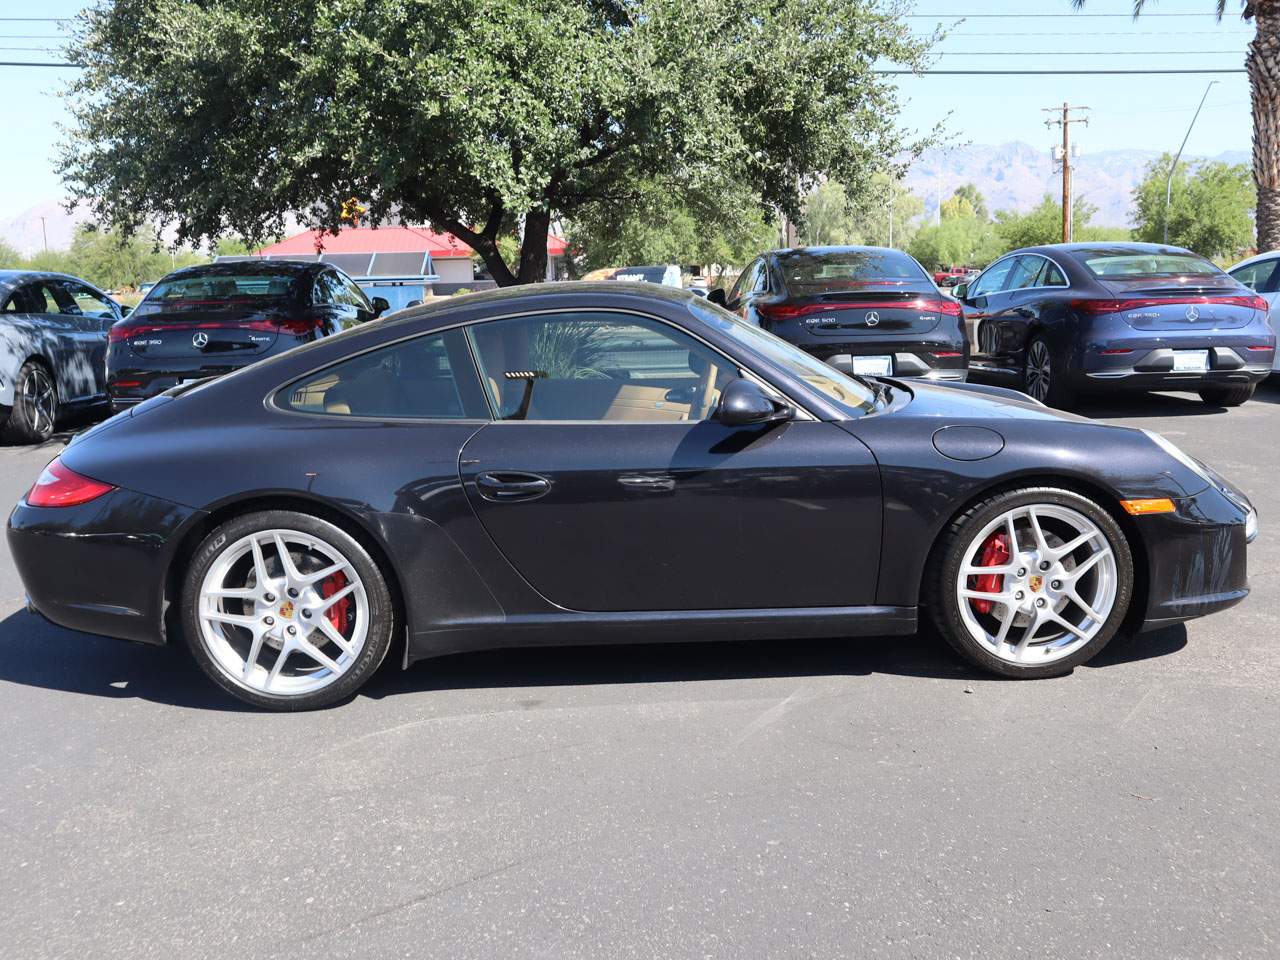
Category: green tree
<point>1042,224</point>
<point>1263,65</point>
<point>832,217</point>
<point>976,201</point>
<point>961,240</point>
<point>659,228</point>
<point>9,257</point>
<point>225,116</point>
<point>828,218</point>
<point>1210,210</point>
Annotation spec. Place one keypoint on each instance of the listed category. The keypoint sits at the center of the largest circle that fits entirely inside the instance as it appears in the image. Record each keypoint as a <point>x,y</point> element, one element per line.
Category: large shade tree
<point>486,118</point>
<point>1263,65</point>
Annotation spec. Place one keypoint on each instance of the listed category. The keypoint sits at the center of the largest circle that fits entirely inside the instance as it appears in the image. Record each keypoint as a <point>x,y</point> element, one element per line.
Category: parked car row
<point>1056,321</point>
<point>65,345</point>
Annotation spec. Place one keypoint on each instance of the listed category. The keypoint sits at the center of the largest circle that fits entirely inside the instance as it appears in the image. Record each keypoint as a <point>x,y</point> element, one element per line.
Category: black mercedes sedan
<point>1067,319</point>
<point>602,463</point>
<point>207,320</point>
<point>866,310</point>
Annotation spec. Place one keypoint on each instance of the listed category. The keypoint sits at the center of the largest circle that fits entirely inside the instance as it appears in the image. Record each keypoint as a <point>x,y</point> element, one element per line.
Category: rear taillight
<point>1260,346</point>
<point>788,311</point>
<point>60,486</point>
<point>1116,351</point>
<point>298,326</point>
<point>1099,306</point>
<point>948,353</point>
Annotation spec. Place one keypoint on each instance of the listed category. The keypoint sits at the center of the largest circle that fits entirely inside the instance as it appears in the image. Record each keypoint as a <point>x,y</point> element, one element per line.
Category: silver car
<point>1260,274</point>
<point>53,343</point>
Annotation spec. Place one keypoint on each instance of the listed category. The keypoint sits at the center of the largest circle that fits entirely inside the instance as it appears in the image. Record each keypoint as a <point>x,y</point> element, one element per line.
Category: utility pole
<point>44,232</point>
<point>891,192</point>
<point>1065,122</point>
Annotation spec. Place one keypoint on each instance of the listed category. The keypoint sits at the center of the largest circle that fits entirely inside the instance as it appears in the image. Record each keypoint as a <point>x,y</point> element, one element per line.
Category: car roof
<point>11,278</point>
<point>1112,247</point>
<point>1256,258</point>
<point>524,293</point>
<point>848,248</point>
<point>243,267</point>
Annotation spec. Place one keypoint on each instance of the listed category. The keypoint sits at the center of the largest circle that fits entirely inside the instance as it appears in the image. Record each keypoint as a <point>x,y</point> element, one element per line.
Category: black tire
<point>382,615</point>
<point>35,405</point>
<point>944,604</point>
<point>1044,378</point>
<point>1227,396</point>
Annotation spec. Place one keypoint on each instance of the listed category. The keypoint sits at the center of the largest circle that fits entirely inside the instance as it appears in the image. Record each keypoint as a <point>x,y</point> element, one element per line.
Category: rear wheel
<point>1043,379</point>
<point>1227,396</point>
<point>35,405</point>
<point>286,611</point>
<point>1031,583</point>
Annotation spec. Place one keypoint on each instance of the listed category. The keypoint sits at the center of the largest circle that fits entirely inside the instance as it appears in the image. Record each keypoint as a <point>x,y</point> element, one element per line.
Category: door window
<point>597,367</point>
<point>79,299</point>
<point>1025,273</point>
<point>744,283</point>
<point>348,293</point>
<point>993,281</point>
<point>1257,276</point>
<point>426,378</point>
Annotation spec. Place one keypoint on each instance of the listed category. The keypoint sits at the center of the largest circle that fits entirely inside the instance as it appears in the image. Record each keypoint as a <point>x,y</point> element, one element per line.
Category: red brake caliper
<point>340,613</point>
<point>995,553</point>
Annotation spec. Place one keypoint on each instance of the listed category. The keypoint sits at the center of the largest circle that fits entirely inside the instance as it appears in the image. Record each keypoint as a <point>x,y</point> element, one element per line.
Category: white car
<point>1261,274</point>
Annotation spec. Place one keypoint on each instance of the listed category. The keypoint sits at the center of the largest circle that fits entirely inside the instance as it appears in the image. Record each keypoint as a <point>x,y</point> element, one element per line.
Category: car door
<point>983,300</point>
<point>741,299</point>
<point>330,299</point>
<point>92,314</point>
<point>59,337</point>
<point>1017,310</point>
<point>606,482</point>
<point>1263,277</point>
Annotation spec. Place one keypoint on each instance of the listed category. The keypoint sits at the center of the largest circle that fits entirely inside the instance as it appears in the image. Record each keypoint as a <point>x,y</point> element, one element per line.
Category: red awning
<point>383,240</point>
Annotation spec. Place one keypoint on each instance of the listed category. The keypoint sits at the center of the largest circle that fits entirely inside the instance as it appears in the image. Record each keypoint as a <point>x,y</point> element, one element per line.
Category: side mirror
<point>380,306</point>
<point>743,402</point>
<point>960,291</point>
<point>718,297</point>
<point>125,310</point>
<point>413,303</point>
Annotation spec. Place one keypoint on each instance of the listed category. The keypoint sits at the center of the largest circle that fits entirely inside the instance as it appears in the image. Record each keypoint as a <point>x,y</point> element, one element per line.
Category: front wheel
<point>35,405</point>
<point>1031,583</point>
<point>1227,396</point>
<point>286,611</point>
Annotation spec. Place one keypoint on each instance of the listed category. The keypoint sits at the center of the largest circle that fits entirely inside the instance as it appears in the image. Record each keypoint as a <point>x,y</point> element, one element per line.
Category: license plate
<point>1185,361</point>
<point>873,366</point>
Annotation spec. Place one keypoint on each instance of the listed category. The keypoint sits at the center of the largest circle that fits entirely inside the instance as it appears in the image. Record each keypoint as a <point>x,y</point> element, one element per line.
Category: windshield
<point>1127,265</point>
<point>807,272</point>
<point>854,397</point>
<point>217,290</point>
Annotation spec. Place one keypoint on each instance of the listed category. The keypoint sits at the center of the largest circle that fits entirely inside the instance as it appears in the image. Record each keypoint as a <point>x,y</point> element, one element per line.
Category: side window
<point>1025,272</point>
<point>1052,276</point>
<point>762,277</point>
<point>1257,276</point>
<point>347,293</point>
<point>40,298</point>
<point>993,281</point>
<point>744,282</point>
<point>87,303</point>
<point>597,366</point>
<point>426,378</point>
<point>326,289</point>
<point>13,302</point>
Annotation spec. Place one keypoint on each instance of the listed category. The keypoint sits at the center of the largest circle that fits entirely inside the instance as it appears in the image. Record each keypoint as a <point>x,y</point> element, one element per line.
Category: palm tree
<point>1263,64</point>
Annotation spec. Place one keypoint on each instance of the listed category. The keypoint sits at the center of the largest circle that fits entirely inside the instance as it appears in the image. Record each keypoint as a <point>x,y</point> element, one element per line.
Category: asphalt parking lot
<point>800,799</point>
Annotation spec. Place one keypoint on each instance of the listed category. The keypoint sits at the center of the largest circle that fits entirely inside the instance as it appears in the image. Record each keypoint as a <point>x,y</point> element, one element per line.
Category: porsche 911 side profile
<point>600,463</point>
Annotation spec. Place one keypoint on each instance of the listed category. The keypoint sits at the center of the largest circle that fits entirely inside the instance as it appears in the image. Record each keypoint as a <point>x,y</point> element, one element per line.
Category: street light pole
<point>1168,184</point>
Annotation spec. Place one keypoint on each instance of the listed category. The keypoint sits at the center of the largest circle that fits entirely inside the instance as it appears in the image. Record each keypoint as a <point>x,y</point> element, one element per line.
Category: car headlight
<point>1251,526</point>
<point>1172,449</point>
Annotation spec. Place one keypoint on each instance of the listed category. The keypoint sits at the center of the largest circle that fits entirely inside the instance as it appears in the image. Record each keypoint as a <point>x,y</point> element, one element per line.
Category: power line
<point>1082,53</point>
<point>35,19</point>
<point>1055,73</point>
<point>30,63</point>
<point>1033,16</point>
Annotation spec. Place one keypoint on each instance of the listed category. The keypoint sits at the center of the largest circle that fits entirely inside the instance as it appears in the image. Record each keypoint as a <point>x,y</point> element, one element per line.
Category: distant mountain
<point>1016,176</point>
<point>47,220</point>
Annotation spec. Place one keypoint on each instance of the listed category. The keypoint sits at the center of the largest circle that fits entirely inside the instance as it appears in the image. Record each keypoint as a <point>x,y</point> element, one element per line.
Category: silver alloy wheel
<point>1039,368</point>
<point>1055,591</point>
<point>264,618</point>
<point>38,400</point>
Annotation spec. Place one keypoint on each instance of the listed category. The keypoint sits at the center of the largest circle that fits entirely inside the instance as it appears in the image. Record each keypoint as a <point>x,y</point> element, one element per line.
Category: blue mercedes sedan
<point>1062,320</point>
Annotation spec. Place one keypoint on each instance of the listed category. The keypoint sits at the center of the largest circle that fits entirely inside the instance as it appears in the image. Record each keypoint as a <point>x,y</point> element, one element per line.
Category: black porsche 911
<point>590,463</point>
<point>865,310</point>
<point>207,320</point>
<point>1067,319</point>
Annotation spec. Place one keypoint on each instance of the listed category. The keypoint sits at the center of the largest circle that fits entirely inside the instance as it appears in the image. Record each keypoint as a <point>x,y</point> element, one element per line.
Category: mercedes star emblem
<point>872,318</point>
<point>200,340</point>
<point>1193,313</point>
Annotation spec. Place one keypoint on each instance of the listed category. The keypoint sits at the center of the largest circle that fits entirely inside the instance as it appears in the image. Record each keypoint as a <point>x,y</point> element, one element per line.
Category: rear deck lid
<point>879,310</point>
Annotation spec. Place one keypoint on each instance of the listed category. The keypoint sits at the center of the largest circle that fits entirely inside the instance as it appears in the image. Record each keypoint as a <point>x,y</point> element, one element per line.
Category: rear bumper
<point>935,359</point>
<point>99,567</point>
<point>1197,557</point>
<point>1147,363</point>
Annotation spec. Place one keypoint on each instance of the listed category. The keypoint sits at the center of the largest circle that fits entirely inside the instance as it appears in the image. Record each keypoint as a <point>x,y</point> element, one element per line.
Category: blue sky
<point>1146,112</point>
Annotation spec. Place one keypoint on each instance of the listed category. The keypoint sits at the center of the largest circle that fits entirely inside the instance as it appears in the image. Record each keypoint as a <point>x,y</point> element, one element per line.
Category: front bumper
<point>99,567</point>
<point>1197,556</point>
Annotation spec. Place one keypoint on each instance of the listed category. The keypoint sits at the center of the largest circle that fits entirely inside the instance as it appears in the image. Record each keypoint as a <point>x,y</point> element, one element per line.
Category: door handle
<point>511,486</point>
<point>657,484</point>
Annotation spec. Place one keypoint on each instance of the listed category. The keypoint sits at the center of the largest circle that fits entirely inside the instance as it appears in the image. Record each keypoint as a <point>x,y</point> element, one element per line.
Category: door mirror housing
<point>717,296</point>
<point>960,291</point>
<point>743,403</point>
<point>380,306</point>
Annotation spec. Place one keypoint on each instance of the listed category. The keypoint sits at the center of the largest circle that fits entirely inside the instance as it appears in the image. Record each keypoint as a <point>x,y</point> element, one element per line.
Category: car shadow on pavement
<point>36,653</point>
<point>1145,406</point>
